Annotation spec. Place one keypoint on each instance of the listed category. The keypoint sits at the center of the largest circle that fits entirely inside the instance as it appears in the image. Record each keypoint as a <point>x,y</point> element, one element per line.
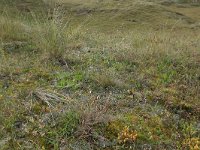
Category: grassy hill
<point>99,74</point>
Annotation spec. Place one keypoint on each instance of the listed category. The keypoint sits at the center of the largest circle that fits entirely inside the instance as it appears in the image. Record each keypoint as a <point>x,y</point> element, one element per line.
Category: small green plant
<point>68,123</point>
<point>69,80</point>
<point>166,71</point>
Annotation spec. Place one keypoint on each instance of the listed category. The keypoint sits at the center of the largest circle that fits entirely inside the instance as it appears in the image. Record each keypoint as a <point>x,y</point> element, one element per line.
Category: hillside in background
<point>99,74</point>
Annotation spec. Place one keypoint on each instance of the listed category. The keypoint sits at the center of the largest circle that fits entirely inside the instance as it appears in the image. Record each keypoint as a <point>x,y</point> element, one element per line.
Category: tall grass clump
<point>53,34</point>
<point>50,35</point>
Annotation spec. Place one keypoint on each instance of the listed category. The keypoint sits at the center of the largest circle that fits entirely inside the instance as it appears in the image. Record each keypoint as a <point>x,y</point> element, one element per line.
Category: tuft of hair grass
<point>53,34</point>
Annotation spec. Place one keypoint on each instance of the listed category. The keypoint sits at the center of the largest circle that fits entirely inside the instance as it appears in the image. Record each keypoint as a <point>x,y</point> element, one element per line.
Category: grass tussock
<point>53,35</point>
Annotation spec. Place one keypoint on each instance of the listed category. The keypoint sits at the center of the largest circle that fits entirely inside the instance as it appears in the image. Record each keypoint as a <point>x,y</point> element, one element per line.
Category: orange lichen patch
<point>192,143</point>
<point>127,135</point>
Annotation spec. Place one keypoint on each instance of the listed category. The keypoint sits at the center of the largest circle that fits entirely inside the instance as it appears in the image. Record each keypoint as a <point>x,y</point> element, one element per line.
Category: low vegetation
<point>99,74</point>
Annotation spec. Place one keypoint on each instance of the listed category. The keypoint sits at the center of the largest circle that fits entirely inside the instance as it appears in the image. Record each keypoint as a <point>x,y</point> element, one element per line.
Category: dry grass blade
<point>51,97</point>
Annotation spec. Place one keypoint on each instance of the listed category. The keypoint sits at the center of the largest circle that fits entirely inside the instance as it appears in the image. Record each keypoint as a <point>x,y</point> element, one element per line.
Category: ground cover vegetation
<point>99,74</point>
